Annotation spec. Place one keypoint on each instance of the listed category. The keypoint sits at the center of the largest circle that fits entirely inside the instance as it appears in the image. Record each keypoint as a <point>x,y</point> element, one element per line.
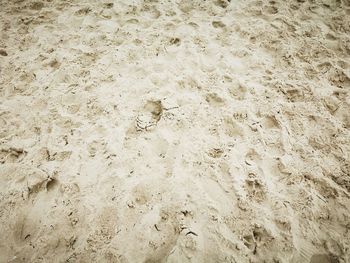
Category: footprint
<point>238,91</point>
<point>240,116</point>
<point>55,64</point>
<point>232,128</point>
<point>284,225</point>
<point>37,6</point>
<point>339,78</point>
<point>249,242</point>
<point>214,100</point>
<point>293,94</point>
<point>192,24</point>
<point>104,229</point>
<point>222,3</point>
<point>324,67</point>
<point>271,10</point>
<point>306,250</point>
<point>83,11</point>
<point>218,24</point>
<point>60,156</point>
<point>132,21</point>
<point>175,41</point>
<point>294,7</point>
<point>344,65</point>
<point>252,157</point>
<point>94,147</point>
<point>11,155</point>
<point>151,11</point>
<point>186,6</point>
<point>258,237</point>
<point>3,53</point>
<point>108,5</point>
<point>341,94</point>
<point>324,258</point>
<point>342,114</point>
<point>330,36</point>
<point>271,122</point>
<point>149,116</point>
<point>216,152</point>
<point>261,236</point>
<point>24,227</point>
<point>255,188</point>
<point>332,104</point>
<point>24,179</point>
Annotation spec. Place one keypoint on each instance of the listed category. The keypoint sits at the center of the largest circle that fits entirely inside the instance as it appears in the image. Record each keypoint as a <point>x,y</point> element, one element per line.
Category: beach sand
<point>175,131</point>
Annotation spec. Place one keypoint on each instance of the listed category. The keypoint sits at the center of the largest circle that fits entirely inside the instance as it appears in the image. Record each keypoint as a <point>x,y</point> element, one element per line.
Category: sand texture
<point>175,131</point>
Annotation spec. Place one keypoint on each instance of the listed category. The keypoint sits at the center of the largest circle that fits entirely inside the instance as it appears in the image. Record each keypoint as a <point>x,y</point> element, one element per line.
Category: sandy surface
<point>175,131</point>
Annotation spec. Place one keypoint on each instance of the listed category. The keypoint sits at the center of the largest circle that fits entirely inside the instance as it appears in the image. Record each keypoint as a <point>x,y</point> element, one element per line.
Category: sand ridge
<point>174,131</point>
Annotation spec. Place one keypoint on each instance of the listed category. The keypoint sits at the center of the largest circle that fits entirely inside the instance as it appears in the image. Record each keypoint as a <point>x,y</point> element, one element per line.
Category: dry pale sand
<point>175,131</point>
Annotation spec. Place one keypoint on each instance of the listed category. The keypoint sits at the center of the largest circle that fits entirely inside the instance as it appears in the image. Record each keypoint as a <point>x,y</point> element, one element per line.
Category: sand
<point>175,131</point>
